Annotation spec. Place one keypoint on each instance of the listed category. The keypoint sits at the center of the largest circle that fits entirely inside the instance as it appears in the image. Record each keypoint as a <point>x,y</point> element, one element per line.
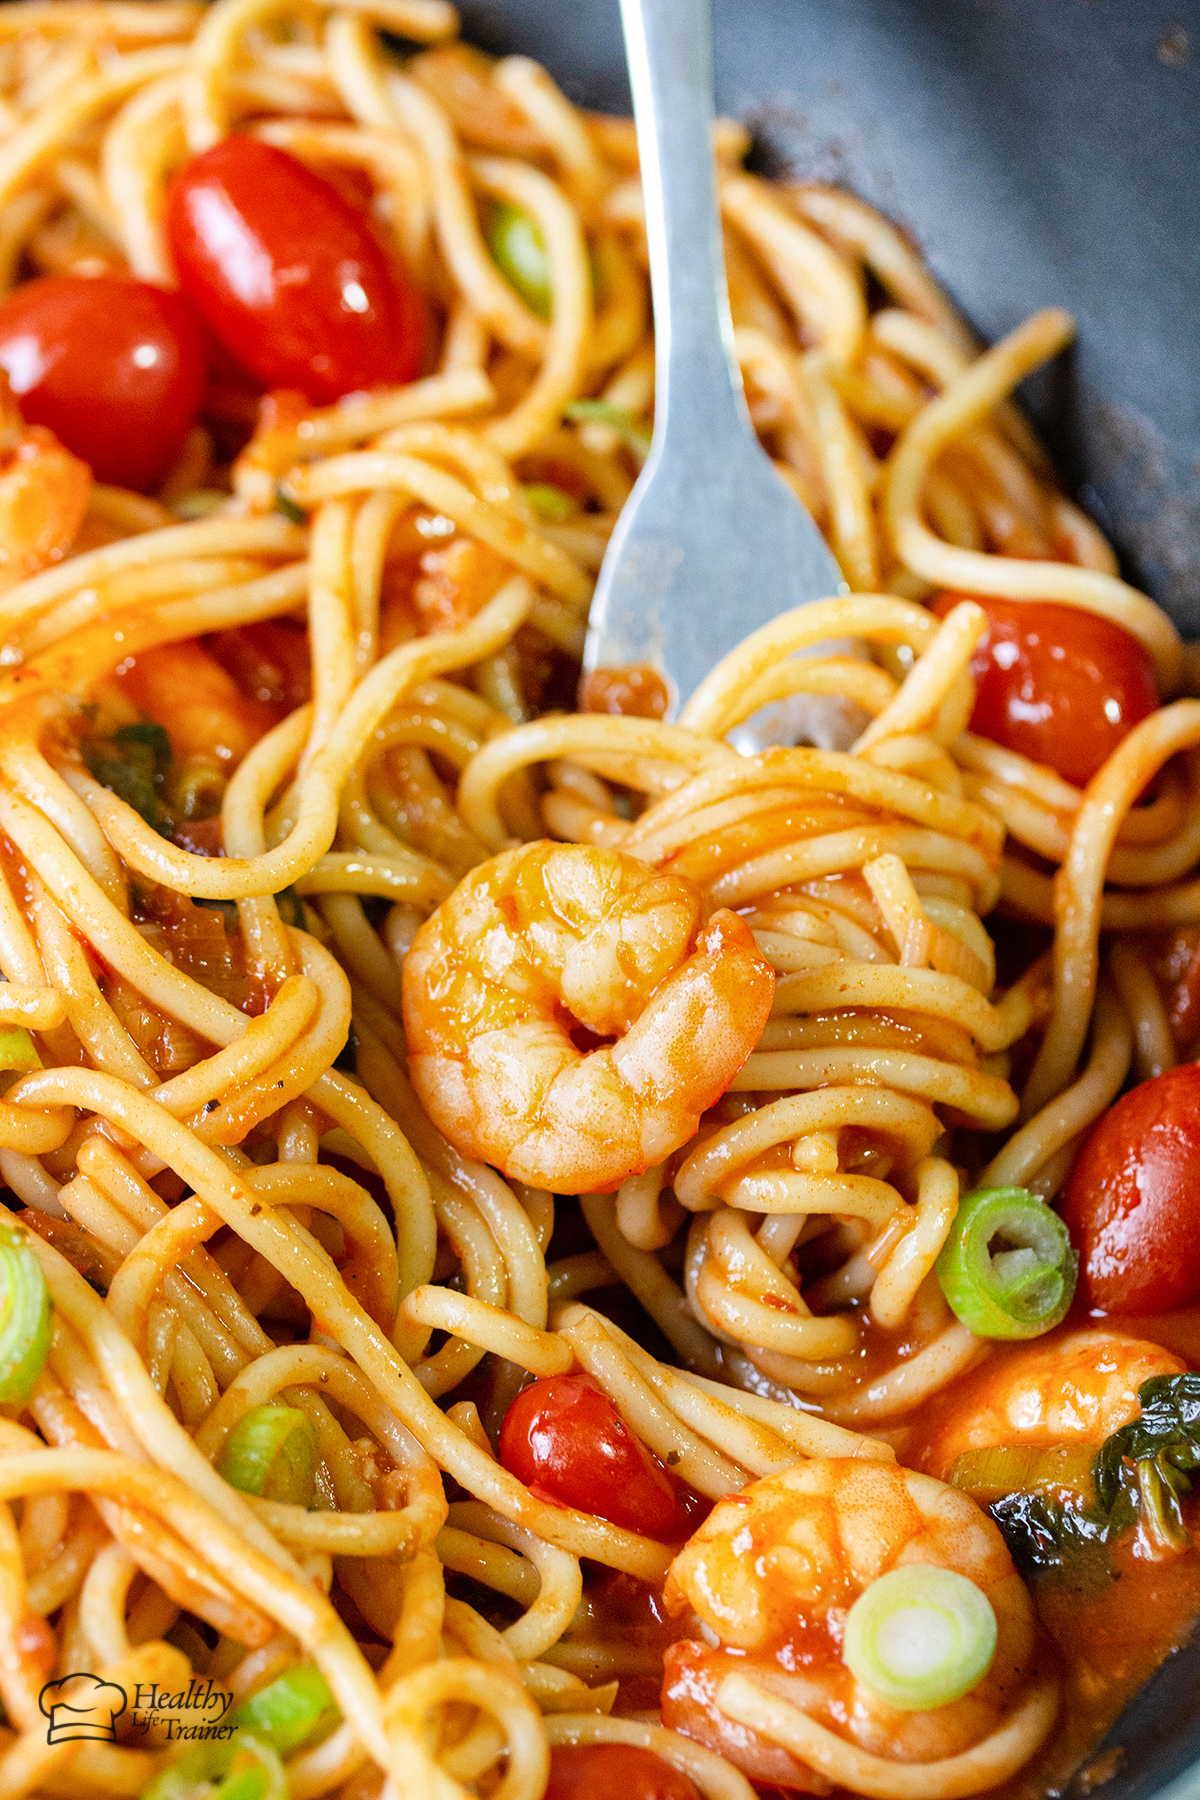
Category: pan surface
<point>1040,152</point>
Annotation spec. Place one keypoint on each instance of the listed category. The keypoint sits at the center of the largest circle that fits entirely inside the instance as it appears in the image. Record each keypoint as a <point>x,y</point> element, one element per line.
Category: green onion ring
<point>240,1768</point>
<point>920,1637</point>
<point>272,1451</point>
<point>519,252</point>
<point>25,1316</point>
<point>1007,1267</point>
<point>289,1711</point>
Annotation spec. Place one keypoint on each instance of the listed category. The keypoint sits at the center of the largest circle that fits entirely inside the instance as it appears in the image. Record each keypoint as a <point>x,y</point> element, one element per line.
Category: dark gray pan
<point>1041,152</point>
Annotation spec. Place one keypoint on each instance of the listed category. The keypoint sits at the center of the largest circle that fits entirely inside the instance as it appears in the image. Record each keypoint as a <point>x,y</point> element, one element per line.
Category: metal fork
<point>712,542</point>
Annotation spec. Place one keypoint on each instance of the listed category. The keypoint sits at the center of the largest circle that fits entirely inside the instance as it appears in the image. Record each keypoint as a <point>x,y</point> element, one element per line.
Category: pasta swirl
<point>387,1041</point>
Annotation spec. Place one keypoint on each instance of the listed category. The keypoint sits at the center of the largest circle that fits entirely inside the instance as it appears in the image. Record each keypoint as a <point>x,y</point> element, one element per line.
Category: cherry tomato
<point>586,1771</point>
<point>203,837</point>
<point>114,367</point>
<point>564,1437</point>
<point>269,661</point>
<point>1057,685</point>
<point>289,275</point>
<point>1133,1200</point>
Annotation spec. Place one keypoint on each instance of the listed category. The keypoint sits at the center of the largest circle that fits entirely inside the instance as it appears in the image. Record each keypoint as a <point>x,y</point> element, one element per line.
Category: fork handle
<point>698,384</point>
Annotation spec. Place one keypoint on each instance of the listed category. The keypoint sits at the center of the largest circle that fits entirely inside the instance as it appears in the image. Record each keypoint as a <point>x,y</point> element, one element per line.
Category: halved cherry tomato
<point>564,1438</point>
<point>270,661</point>
<point>1174,957</point>
<point>203,837</point>
<point>114,367</point>
<point>624,1771</point>
<point>1058,685</point>
<point>1132,1204</point>
<point>289,275</point>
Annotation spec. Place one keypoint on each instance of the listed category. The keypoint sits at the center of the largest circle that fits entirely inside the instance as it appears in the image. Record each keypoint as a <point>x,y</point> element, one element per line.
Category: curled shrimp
<point>1073,1389</point>
<point>44,494</point>
<point>770,1577</point>
<point>551,938</point>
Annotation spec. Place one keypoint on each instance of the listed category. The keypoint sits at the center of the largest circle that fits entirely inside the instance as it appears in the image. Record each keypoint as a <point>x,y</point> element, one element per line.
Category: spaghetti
<point>263,735</point>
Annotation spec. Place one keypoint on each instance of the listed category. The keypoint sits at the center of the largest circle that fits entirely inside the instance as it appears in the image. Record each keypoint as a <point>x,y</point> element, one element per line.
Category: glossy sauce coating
<point>626,1771</point>
<point>634,692</point>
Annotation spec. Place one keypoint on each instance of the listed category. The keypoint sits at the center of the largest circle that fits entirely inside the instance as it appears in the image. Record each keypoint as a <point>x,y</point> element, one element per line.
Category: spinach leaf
<point>132,763</point>
<point>1144,1469</point>
<point>1047,1538</point>
<point>1138,1477</point>
<point>152,737</point>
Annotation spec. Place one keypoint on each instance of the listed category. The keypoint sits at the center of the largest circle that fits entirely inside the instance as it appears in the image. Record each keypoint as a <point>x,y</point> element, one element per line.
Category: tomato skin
<point>1132,1203</point>
<point>114,367</point>
<point>1058,685</point>
<point>289,275</point>
<point>269,661</point>
<point>564,1437</point>
<point>586,1771</point>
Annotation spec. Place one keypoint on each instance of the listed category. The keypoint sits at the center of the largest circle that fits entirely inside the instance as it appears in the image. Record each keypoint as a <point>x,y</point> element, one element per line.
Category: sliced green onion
<point>201,503</point>
<point>250,1782</point>
<point>17,1049</point>
<point>25,1316</point>
<point>290,509</point>
<point>291,1710</point>
<point>551,503</point>
<point>1007,1268</point>
<point>633,435</point>
<point>273,1451</point>
<point>1064,1470</point>
<point>920,1637</point>
<point>240,1768</point>
<point>519,252</point>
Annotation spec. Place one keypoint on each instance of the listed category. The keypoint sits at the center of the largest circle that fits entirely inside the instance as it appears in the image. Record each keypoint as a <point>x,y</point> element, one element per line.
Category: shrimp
<point>770,1577</point>
<point>1076,1389</point>
<point>207,716</point>
<point>553,943</point>
<point>44,494</point>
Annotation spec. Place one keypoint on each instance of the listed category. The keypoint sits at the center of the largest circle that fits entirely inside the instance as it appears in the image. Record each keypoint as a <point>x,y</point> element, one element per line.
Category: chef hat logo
<point>82,1708</point>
